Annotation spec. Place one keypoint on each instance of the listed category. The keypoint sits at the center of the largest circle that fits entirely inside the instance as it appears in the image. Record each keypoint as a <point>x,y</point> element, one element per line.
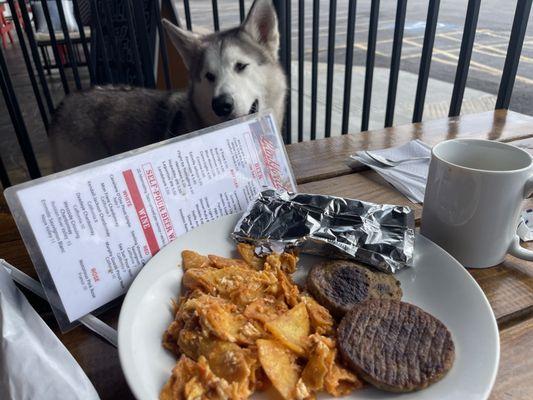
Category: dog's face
<point>231,71</point>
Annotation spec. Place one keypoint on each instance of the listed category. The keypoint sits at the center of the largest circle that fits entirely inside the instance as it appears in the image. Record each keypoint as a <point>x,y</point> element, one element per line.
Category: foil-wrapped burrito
<point>380,235</point>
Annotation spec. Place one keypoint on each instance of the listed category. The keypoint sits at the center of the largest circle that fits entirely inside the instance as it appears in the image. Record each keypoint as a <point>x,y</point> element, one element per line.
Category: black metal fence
<point>121,41</point>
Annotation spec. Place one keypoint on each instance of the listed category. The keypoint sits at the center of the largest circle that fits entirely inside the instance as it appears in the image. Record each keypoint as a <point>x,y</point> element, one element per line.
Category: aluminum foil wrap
<point>380,235</point>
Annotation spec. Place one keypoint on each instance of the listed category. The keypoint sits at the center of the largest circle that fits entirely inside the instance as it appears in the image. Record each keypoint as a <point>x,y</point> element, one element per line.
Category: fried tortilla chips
<point>243,326</point>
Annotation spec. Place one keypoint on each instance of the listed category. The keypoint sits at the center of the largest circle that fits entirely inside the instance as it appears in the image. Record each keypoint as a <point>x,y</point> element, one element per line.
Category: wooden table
<point>320,167</point>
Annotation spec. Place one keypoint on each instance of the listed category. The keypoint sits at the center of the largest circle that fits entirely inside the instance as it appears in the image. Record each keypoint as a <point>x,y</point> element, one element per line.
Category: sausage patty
<point>338,285</point>
<point>395,346</point>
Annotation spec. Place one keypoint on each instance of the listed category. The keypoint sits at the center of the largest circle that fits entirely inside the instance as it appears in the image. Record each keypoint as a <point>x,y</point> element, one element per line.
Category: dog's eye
<point>239,67</point>
<point>210,77</point>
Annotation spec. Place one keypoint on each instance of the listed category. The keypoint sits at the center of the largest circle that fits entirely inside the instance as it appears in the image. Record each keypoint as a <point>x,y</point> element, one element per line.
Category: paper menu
<point>95,227</point>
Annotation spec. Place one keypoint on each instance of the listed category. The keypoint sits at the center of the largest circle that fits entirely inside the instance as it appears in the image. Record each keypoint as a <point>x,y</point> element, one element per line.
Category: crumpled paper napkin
<point>34,364</point>
<point>410,177</point>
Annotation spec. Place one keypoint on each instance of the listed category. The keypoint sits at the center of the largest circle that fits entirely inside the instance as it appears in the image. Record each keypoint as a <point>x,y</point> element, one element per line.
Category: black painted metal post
<point>331,62</point>
<point>285,59</point>
<point>188,19</point>
<point>395,61</point>
<point>216,21</point>
<point>162,45</point>
<point>314,66</point>
<point>467,43</point>
<point>301,34</point>
<point>35,55</point>
<point>288,68</point>
<point>53,41</point>
<point>348,65</point>
<point>370,57</point>
<point>70,48</point>
<point>425,61</point>
<point>27,61</point>
<point>241,10</point>
<point>83,39</point>
<point>521,16</point>
<point>17,119</point>
<point>4,177</point>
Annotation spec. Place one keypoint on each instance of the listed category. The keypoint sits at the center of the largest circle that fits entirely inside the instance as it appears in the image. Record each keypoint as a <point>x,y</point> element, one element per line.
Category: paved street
<point>492,36</point>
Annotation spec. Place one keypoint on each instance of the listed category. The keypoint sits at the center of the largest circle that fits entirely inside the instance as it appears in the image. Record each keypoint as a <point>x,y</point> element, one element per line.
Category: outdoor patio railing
<point>121,48</point>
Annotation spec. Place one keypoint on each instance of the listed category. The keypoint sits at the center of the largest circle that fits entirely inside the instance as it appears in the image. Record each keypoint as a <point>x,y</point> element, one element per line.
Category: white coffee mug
<point>473,200</point>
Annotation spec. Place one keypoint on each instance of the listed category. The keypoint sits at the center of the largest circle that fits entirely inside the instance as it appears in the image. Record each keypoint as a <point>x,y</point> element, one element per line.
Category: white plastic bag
<point>34,364</point>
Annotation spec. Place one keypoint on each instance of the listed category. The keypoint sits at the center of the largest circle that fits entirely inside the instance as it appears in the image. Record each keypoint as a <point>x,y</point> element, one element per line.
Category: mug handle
<point>515,249</point>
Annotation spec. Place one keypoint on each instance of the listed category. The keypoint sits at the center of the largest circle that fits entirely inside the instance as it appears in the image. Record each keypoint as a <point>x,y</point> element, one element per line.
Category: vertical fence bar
<point>27,61</point>
<point>370,57</point>
<point>314,67</point>
<point>144,43</point>
<point>348,65</point>
<point>280,11</point>
<point>425,61</point>
<point>469,33</point>
<point>395,61</point>
<point>4,177</point>
<point>284,53</point>
<point>521,16</point>
<point>83,39</point>
<point>162,45</point>
<point>17,119</point>
<point>70,48</point>
<point>133,36</point>
<point>100,37</point>
<point>187,8</point>
<point>241,10</point>
<point>35,55</point>
<point>216,22</point>
<point>57,57</point>
<point>331,62</point>
<point>288,69</point>
<point>301,37</point>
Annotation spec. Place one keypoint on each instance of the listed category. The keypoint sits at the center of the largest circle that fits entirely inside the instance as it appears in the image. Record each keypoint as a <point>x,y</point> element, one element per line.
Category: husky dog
<point>232,73</point>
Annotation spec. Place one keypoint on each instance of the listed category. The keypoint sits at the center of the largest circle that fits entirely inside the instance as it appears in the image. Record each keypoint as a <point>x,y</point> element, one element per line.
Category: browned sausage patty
<point>395,346</point>
<point>338,285</point>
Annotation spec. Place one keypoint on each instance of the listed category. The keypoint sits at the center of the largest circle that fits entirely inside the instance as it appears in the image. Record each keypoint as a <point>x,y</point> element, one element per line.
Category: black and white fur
<point>232,73</point>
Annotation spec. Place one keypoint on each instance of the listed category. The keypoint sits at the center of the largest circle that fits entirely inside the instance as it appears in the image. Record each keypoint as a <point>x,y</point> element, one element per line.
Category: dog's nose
<point>222,105</point>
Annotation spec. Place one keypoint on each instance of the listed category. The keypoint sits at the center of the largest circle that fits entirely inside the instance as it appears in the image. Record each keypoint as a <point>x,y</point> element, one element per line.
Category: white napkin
<point>34,364</point>
<point>408,177</point>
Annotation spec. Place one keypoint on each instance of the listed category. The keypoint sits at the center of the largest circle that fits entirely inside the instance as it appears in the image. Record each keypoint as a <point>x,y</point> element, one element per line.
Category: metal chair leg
<point>45,59</point>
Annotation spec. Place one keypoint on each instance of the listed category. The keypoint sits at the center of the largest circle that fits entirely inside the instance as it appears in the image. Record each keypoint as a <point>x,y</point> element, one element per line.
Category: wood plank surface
<point>509,286</point>
<point>8,229</point>
<point>365,185</point>
<point>326,158</point>
<point>515,375</point>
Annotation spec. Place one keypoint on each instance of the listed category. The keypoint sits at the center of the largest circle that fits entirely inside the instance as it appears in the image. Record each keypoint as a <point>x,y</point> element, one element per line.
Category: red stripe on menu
<point>141,211</point>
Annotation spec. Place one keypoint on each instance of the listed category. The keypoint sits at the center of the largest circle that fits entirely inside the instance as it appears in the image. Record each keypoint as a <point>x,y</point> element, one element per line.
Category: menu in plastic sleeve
<point>91,229</point>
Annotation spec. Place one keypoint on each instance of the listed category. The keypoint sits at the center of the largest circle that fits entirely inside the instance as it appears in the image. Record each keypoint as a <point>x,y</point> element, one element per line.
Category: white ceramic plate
<point>437,283</point>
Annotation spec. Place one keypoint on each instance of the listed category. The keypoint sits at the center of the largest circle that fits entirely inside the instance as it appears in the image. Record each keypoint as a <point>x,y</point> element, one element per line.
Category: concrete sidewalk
<point>436,105</point>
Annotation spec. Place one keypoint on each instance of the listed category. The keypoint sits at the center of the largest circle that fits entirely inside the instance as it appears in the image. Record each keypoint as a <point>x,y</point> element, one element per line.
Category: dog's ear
<point>262,24</point>
<point>187,43</point>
